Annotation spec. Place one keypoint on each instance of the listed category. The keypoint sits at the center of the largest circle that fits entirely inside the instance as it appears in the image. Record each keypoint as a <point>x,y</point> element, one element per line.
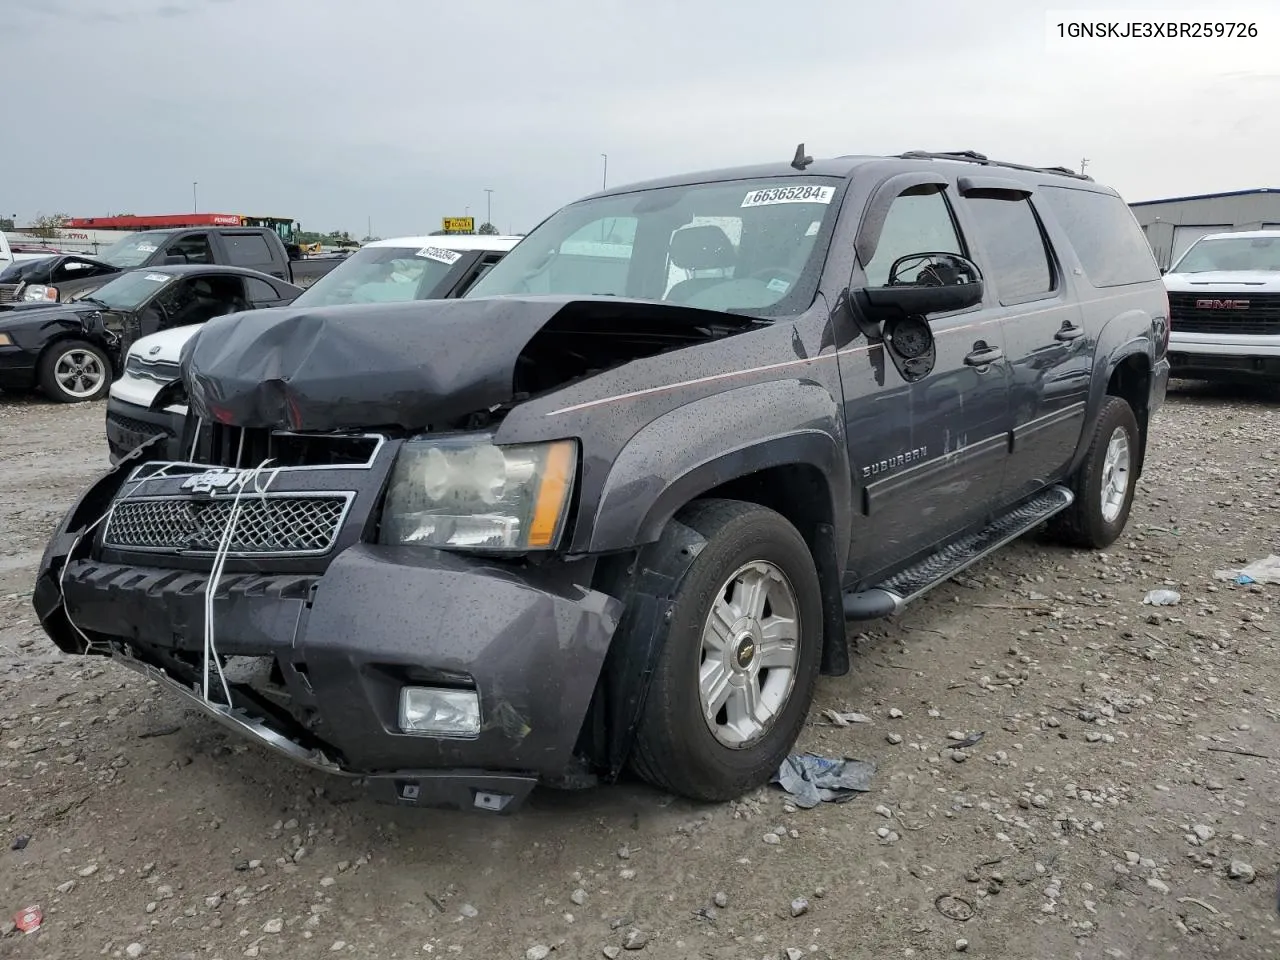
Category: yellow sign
<point>459,224</point>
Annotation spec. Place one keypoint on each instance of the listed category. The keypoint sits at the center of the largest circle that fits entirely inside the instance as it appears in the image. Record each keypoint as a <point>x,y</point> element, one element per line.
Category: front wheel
<point>736,676</point>
<point>73,371</point>
<point>1104,484</point>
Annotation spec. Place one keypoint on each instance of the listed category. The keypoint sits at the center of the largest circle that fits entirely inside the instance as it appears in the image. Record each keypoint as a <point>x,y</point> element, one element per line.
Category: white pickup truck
<point>1224,308</point>
<point>140,406</point>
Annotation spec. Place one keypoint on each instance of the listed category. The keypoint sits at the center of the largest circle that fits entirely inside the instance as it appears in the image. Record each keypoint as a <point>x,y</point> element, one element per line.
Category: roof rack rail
<point>972,156</point>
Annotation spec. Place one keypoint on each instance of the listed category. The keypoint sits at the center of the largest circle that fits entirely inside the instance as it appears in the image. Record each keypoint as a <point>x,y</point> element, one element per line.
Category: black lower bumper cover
<point>1191,366</point>
<point>346,643</point>
<point>129,426</point>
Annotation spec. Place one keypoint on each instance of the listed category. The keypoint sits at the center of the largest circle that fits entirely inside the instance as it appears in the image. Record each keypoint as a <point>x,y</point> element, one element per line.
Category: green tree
<point>49,227</point>
<point>6,223</point>
<point>487,229</point>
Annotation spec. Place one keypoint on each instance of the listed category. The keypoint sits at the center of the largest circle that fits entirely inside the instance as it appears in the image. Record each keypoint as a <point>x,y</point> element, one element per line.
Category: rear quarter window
<point>246,249</point>
<point>1105,235</point>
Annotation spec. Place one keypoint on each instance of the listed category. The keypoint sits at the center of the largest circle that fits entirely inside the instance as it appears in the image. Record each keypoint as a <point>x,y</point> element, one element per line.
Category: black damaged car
<point>72,351</point>
<point>616,506</point>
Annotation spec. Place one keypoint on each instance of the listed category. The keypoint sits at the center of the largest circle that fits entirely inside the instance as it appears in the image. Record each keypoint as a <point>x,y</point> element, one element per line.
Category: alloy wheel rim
<point>750,654</point>
<point>1115,475</point>
<point>79,373</point>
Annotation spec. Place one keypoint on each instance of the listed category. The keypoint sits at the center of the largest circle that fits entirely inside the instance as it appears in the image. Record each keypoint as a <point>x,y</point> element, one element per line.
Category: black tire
<point>1083,524</point>
<point>675,749</point>
<point>54,389</point>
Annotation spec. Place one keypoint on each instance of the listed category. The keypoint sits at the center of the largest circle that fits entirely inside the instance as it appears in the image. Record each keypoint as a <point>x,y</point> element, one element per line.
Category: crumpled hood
<point>409,365</point>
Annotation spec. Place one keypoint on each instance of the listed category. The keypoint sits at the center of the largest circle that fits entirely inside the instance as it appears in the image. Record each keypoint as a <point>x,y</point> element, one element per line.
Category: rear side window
<point>260,291</point>
<point>246,249</point>
<point>1011,237</point>
<point>1106,237</point>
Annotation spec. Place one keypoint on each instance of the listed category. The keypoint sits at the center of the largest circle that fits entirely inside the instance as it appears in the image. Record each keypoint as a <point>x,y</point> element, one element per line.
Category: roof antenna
<point>801,161</point>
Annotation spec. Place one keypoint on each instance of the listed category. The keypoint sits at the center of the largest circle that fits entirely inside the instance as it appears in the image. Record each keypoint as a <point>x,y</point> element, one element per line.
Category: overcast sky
<point>404,111</point>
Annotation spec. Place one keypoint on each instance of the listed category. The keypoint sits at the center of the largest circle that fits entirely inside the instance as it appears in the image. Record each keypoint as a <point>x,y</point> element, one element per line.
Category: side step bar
<point>892,595</point>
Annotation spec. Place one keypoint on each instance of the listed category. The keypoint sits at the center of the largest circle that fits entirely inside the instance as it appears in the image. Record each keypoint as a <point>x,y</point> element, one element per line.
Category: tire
<point>1087,523</point>
<point>58,366</point>
<point>676,749</point>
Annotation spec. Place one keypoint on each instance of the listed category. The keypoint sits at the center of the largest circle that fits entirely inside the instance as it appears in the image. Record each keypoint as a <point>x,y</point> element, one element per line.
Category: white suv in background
<point>142,404</point>
<point>1224,307</point>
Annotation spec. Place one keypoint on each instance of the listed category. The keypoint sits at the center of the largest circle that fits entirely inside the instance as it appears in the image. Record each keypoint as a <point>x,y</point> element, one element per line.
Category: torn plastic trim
<point>235,718</point>
<point>486,790</point>
<point>649,587</point>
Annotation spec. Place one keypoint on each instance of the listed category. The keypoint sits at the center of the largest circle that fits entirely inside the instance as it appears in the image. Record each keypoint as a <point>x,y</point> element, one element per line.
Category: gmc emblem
<point>1222,304</point>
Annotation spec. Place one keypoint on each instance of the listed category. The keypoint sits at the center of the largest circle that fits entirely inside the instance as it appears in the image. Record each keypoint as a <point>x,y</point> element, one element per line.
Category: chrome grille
<point>9,292</point>
<point>159,371</point>
<point>277,524</point>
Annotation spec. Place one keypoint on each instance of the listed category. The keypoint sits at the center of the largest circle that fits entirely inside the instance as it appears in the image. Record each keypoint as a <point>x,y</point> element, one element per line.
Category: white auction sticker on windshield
<point>158,277</point>
<point>147,248</point>
<point>805,193</point>
<point>439,254</point>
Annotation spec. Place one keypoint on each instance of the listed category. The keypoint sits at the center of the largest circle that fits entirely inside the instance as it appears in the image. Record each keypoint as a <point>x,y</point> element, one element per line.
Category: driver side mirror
<point>925,283</point>
<point>175,260</point>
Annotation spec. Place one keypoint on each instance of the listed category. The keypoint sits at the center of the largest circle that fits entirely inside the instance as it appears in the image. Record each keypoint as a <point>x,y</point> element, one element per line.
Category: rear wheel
<point>736,675</point>
<point>73,371</point>
<point>1104,484</point>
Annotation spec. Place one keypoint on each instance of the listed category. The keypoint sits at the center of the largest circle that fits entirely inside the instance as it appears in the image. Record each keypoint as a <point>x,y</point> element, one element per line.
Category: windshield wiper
<point>95,300</point>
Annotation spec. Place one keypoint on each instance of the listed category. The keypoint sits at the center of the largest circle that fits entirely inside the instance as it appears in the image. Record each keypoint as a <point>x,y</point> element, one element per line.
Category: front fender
<point>74,536</point>
<point>710,441</point>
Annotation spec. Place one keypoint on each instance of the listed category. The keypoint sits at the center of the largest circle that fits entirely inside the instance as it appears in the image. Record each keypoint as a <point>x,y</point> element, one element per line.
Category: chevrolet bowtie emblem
<point>212,480</point>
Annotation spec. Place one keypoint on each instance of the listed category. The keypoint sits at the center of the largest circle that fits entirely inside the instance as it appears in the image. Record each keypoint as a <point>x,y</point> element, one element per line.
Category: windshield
<point>1231,253</point>
<point>24,271</point>
<point>133,249</point>
<point>744,246</point>
<point>130,290</point>
<point>382,275</point>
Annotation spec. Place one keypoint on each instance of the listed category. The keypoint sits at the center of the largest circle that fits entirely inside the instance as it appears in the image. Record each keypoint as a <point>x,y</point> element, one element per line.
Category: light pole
<point>488,216</point>
<point>604,179</point>
<point>1084,162</point>
<point>195,203</point>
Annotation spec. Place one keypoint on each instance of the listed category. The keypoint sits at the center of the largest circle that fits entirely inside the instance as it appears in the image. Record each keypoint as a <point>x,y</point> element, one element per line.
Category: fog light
<point>435,712</point>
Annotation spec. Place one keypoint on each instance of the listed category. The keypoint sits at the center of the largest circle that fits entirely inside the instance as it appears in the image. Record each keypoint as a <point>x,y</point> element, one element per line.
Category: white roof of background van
<point>451,241</point>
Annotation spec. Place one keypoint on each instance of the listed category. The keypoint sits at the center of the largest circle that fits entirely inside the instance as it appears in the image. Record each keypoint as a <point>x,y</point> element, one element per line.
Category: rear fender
<point>1126,335</point>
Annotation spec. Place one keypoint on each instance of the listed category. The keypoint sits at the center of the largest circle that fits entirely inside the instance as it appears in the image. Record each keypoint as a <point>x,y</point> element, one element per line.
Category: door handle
<point>983,355</point>
<point>1069,331</point>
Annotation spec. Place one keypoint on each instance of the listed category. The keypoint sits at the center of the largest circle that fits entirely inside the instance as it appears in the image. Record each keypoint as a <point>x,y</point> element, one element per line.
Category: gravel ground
<point>1121,803</point>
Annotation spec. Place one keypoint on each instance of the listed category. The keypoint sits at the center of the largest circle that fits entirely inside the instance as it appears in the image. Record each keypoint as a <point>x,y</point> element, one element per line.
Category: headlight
<point>38,291</point>
<point>469,494</point>
<point>6,340</point>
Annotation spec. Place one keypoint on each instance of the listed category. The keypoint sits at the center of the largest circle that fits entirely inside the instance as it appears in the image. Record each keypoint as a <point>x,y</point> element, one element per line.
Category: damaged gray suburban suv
<point>614,508</point>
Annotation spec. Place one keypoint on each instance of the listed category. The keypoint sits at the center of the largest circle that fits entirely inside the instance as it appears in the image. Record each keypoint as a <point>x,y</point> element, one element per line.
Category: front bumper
<point>128,426</point>
<point>1214,356</point>
<point>340,646</point>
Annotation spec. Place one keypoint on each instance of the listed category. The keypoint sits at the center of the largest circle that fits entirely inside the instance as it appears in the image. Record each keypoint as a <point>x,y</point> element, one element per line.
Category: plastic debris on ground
<point>1266,570</point>
<point>29,920</point>
<point>844,719</point>
<point>812,779</point>
<point>1162,598</point>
